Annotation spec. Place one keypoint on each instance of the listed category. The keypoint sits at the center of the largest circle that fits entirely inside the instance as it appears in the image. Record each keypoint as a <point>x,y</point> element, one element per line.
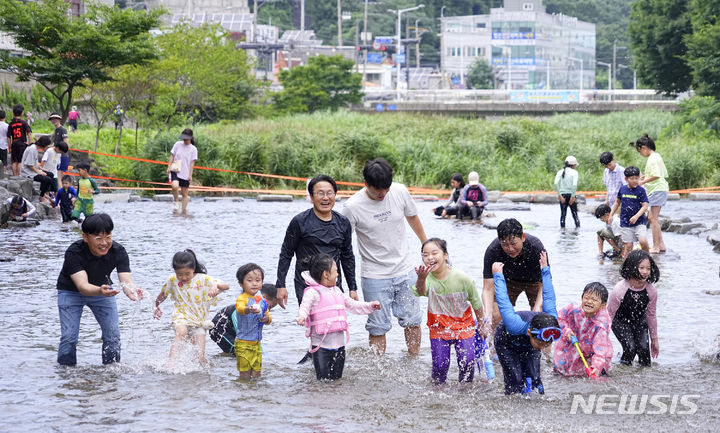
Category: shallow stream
<point>390,393</point>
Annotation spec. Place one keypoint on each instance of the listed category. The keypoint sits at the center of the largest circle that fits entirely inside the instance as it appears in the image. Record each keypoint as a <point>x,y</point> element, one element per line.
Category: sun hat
<point>54,116</point>
<point>186,135</point>
<point>473,178</point>
<point>570,160</point>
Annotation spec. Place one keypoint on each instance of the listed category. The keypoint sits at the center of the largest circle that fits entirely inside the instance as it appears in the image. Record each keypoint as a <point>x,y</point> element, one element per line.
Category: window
<point>528,6</point>
<point>480,25</point>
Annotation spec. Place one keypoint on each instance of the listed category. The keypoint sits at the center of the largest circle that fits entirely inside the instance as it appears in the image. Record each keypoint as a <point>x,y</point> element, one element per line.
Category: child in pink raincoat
<point>589,322</point>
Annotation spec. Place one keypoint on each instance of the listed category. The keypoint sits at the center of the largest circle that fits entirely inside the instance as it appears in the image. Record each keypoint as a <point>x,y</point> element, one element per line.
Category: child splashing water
<point>193,292</point>
<point>323,311</point>
<point>632,308</point>
<point>589,322</point>
<point>521,336</point>
<point>451,300</point>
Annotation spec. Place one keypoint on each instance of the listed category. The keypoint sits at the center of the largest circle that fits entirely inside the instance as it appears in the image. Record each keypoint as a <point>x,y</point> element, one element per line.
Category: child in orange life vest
<point>323,311</point>
<point>252,314</point>
<point>452,298</point>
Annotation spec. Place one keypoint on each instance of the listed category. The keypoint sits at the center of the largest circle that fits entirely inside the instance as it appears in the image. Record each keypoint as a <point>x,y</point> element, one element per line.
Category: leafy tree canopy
<point>703,44</point>
<point>324,83</point>
<point>64,51</point>
<point>481,75</point>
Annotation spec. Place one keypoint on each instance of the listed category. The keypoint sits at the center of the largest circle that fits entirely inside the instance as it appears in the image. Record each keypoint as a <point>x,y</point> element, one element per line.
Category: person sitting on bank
<point>473,198</point>
<point>450,208</point>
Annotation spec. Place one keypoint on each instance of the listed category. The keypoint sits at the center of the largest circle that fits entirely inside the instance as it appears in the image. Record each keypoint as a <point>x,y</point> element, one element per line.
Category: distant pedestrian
<point>19,137</point>
<point>450,208</point>
<point>73,119</point>
<point>119,112</point>
<point>473,198</point>
<point>566,182</point>
<point>59,137</point>
<point>613,177</point>
<point>3,143</point>
<point>180,168</point>
<point>656,186</point>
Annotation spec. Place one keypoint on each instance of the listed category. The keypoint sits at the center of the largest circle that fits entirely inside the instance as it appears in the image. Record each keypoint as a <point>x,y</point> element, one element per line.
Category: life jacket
<point>328,315</point>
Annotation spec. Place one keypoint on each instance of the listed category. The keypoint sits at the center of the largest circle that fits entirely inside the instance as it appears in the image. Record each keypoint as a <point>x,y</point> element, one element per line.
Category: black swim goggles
<point>547,334</point>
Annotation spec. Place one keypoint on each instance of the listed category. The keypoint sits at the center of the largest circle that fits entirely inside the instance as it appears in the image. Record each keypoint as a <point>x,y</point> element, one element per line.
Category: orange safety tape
<point>415,190</point>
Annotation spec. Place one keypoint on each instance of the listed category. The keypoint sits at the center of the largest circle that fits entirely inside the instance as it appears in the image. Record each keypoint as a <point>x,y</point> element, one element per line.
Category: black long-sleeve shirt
<point>307,235</point>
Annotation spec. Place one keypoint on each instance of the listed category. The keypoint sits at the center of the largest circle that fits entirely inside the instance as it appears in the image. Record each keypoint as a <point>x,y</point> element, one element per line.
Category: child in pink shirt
<point>323,311</point>
<point>589,322</point>
<point>632,308</point>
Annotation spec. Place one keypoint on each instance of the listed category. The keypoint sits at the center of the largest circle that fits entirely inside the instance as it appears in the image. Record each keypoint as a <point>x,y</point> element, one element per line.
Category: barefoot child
<point>521,336</point>
<point>65,197</point>
<point>589,322</point>
<point>612,233</point>
<point>324,311</point>
<point>632,308</point>
<point>193,292</point>
<point>252,313</point>
<point>632,200</point>
<point>452,298</point>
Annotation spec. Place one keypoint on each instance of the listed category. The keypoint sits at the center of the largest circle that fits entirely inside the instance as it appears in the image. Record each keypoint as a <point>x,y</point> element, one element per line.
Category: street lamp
<point>417,46</point>
<point>399,13</point>
<point>575,59</point>
<point>609,66</point>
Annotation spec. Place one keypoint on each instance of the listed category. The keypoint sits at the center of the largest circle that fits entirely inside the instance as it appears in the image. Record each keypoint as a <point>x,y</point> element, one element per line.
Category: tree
<point>65,52</point>
<point>703,56</point>
<point>657,30</point>
<point>481,74</point>
<point>324,83</point>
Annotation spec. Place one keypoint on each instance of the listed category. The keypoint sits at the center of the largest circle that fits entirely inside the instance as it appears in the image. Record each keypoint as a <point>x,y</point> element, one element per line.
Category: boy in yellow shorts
<point>86,188</point>
<point>252,314</point>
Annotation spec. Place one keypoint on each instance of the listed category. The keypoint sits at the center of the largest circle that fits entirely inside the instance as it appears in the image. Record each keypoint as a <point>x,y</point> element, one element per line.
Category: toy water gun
<point>482,352</point>
<point>588,370</point>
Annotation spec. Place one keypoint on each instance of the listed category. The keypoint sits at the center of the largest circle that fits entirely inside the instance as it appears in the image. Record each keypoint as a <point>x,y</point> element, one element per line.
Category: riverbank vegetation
<point>514,153</point>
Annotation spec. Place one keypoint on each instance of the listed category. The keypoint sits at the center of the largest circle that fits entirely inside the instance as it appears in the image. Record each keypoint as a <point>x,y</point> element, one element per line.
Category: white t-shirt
<point>50,160</point>
<point>185,153</point>
<point>3,135</point>
<point>29,159</point>
<point>380,230</point>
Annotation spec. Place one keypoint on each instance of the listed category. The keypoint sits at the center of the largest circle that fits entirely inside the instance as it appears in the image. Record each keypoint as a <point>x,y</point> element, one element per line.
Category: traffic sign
<point>400,58</point>
<point>384,40</point>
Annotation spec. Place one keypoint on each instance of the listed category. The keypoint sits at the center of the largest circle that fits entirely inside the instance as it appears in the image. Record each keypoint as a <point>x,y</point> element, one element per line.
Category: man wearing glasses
<point>317,230</point>
<point>85,280</point>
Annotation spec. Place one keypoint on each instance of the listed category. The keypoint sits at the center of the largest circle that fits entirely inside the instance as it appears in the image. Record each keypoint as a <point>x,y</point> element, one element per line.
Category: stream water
<point>390,393</point>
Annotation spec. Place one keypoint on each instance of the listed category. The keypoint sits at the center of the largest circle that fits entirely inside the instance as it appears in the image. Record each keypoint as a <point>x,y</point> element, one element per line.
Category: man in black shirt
<point>85,280</point>
<point>520,253</point>
<point>317,230</point>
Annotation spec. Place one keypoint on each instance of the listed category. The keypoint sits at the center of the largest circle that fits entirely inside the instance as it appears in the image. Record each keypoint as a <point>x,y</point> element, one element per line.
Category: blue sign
<point>383,41</point>
<point>379,107</point>
<point>374,57</point>
<point>552,96</point>
<point>513,35</point>
<point>517,61</point>
<point>400,58</point>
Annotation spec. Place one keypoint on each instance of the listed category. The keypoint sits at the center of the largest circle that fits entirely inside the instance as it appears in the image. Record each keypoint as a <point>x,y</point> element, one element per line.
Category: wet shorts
<point>249,356</point>
<point>632,234</point>
<point>182,182</point>
<point>17,149</point>
<point>607,234</point>
<point>191,330</point>
<point>83,206</point>
<point>396,296</point>
<point>658,198</point>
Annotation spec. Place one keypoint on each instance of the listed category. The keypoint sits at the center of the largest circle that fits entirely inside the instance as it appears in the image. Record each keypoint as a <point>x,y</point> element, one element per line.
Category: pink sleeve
<point>310,299</point>
<point>616,297</point>
<point>357,307</point>
<point>563,316</point>
<point>602,346</point>
<point>652,310</point>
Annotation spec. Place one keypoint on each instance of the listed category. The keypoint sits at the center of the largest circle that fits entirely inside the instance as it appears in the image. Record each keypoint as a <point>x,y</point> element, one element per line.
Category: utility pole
<point>365,42</point>
<point>339,13</point>
<point>417,46</point>
<point>614,63</point>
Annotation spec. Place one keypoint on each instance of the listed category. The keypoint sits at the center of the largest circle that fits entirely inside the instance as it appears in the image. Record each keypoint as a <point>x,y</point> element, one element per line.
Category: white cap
<point>473,178</point>
<point>570,160</point>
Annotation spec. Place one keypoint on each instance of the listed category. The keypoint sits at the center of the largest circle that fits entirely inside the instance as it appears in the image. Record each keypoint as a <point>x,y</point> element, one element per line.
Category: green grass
<point>515,153</point>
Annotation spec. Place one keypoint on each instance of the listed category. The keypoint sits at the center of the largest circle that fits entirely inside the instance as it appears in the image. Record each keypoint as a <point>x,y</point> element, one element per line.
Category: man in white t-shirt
<point>378,213</point>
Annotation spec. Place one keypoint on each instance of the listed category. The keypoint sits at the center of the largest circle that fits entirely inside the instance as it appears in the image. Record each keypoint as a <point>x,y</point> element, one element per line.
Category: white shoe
<point>176,206</point>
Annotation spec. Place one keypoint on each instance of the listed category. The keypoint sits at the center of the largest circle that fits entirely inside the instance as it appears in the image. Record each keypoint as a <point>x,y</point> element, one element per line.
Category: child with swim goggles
<point>193,292</point>
<point>521,336</point>
<point>253,312</point>
<point>452,298</point>
<point>633,308</point>
<point>324,312</point>
<point>588,324</point>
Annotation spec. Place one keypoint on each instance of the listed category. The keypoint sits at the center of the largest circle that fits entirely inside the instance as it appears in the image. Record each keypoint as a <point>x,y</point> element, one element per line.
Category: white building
<point>527,47</point>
